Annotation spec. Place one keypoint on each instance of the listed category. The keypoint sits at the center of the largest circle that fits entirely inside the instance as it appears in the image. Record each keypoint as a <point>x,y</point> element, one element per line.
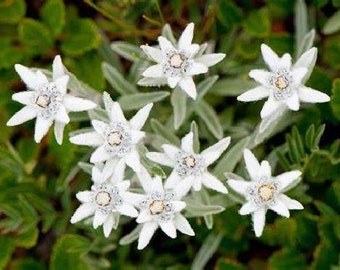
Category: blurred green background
<point>38,182</point>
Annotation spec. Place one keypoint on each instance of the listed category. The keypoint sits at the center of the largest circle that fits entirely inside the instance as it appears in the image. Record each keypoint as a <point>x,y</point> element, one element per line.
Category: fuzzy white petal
<point>247,208</point>
<point>30,78</point>
<point>186,37</point>
<point>293,102</point>
<point>182,188</point>
<point>252,164</point>
<point>270,57</point>
<point>187,85</point>
<point>286,61</point>
<point>83,211</point>
<point>269,107</point>
<point>160,158</point>
<point>172,180</point>
<point>298,74</point>
<point>59,131</point>
<point>239,186</point>
<point>99,218</point>
<point>210,59</point>
<point>58,68</point>
<point>280,208</point>
<point>99,126</point>
<point>41,128</point>
<point>154,71</point>
<point>127,210</point>
<point>108,225</point>
<point>196,182</point>
<point>152,81</point>
<point>290,203</point>
<point>61,84</point>
<point>88,138</point>
<point>259,75</point>
<point>259,219</point>
<point>192,50</point>
<point>310,95</point>
<point>23,115</point>
<point>210,181</point>
<point>144,216</point>
<point>157,184</point>
<point>25,97</point>
<point>217,149</point>
<point>136,136</point>
<point>307,60</point>
<point>76,104</point>
<point>116,114</point>
<point>84,196</point>
<point>170,150</point>
<point>62,115</point>
<point>286,179</point>
<point>100,155</point>
<point>118,171</point>
<point>133,198</point>
<point>197,68</point>
<point>138,120</point>
<point>173,81</point>
<point>183,225</point>
<point>187,142</point>
<point>132,160</point>
<point>153,53</point>
<point>178,206</point>
<point>265,169</point>
<point>165,44</point>
<point>146,234</point>
<point>168,228</point>
<point>254,94</point>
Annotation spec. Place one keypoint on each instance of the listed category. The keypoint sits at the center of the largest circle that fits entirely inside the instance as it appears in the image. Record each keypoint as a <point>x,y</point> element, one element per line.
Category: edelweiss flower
<point>189,166</point>
<point>47,101</point>
<point>117,139</point>
<point>107,200</point>
<point>177,63</point>
<point>284,83</point>
<point>160,208</point>
<point>264,191</point>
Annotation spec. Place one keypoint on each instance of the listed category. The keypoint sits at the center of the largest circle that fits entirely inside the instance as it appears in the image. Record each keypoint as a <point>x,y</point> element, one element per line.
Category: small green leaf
<point>179,104</point>
<point>137,101</point>
<point>80,36</point>
<point>287,259</point>
<point>257,23</point>
<point>204,86</point>
<point>117,80</point>
<point>53,15</point>
<point>306,43</point>
<point>7,247</point>
<point>127,51</point>
<point>332,25</point>
<point>35,36</point>
<point>201,210</point>
<point>196,139</point>
<point>9,55</point>
<point>335,100</point>
<point>309,137</point>
<point>301,23</point>
<point>167,33</point>
<point>86,167</point>
<point>210,118</point>
<point>207,250</point>
<point>228,13</point>
<point>232,86</point>
<point>11,12</point>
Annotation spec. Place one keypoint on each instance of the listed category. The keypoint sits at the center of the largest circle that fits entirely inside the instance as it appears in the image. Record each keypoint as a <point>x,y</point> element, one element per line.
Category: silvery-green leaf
<point>179,104</point>
<point>210,118</point>
<point>152,167</point>
<point>80,131</point>
<point>204,86</point>
<point>117,81</point>
<point>301,23</point>
<point>332,25</point>
<point>99,114</point>
<point>137,101</point>
<point>232,86</point>
<point>127,50</point>
<point>86,167</point>
<point>230,175</point>
<point>167,33</point>
<point>164,132</point>
<point>194,129</point>
<point>201,210</point>
<point>306,43</point>
<point>131,237</point>
<point>206,251</point>
<point>136,70</point>
<point>107,53</point>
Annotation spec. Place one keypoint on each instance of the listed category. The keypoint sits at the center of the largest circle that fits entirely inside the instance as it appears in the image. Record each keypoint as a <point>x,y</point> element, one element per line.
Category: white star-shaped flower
<point>117,139</point>
<point>177,63</point>
<point>159,207</point>
<point>107,200</point>
<point>264,191</point>
<point>47,101</point>
<point>189,166</point>
<point>284,83</point>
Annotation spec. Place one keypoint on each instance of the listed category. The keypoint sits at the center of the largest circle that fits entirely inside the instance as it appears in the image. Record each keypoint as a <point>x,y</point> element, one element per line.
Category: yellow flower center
<point>266,192</point>
<point>43,101</point>
<point>103,198</point>
<point>114,138</point>
<point>190,161</point>
<point>156,207</point>
<point>176,60</point>
<point>281,83</point>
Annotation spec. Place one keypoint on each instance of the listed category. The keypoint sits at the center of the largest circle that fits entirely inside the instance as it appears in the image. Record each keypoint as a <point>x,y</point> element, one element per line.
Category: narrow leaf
<point>137,101</point>
<point>131,237</point>
<point>167,134</point>
<point>126,50</point>
<point>179,104</point>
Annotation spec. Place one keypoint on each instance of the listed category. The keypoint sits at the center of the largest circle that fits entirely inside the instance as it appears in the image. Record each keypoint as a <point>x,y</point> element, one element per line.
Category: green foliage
<point>12,11</point>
